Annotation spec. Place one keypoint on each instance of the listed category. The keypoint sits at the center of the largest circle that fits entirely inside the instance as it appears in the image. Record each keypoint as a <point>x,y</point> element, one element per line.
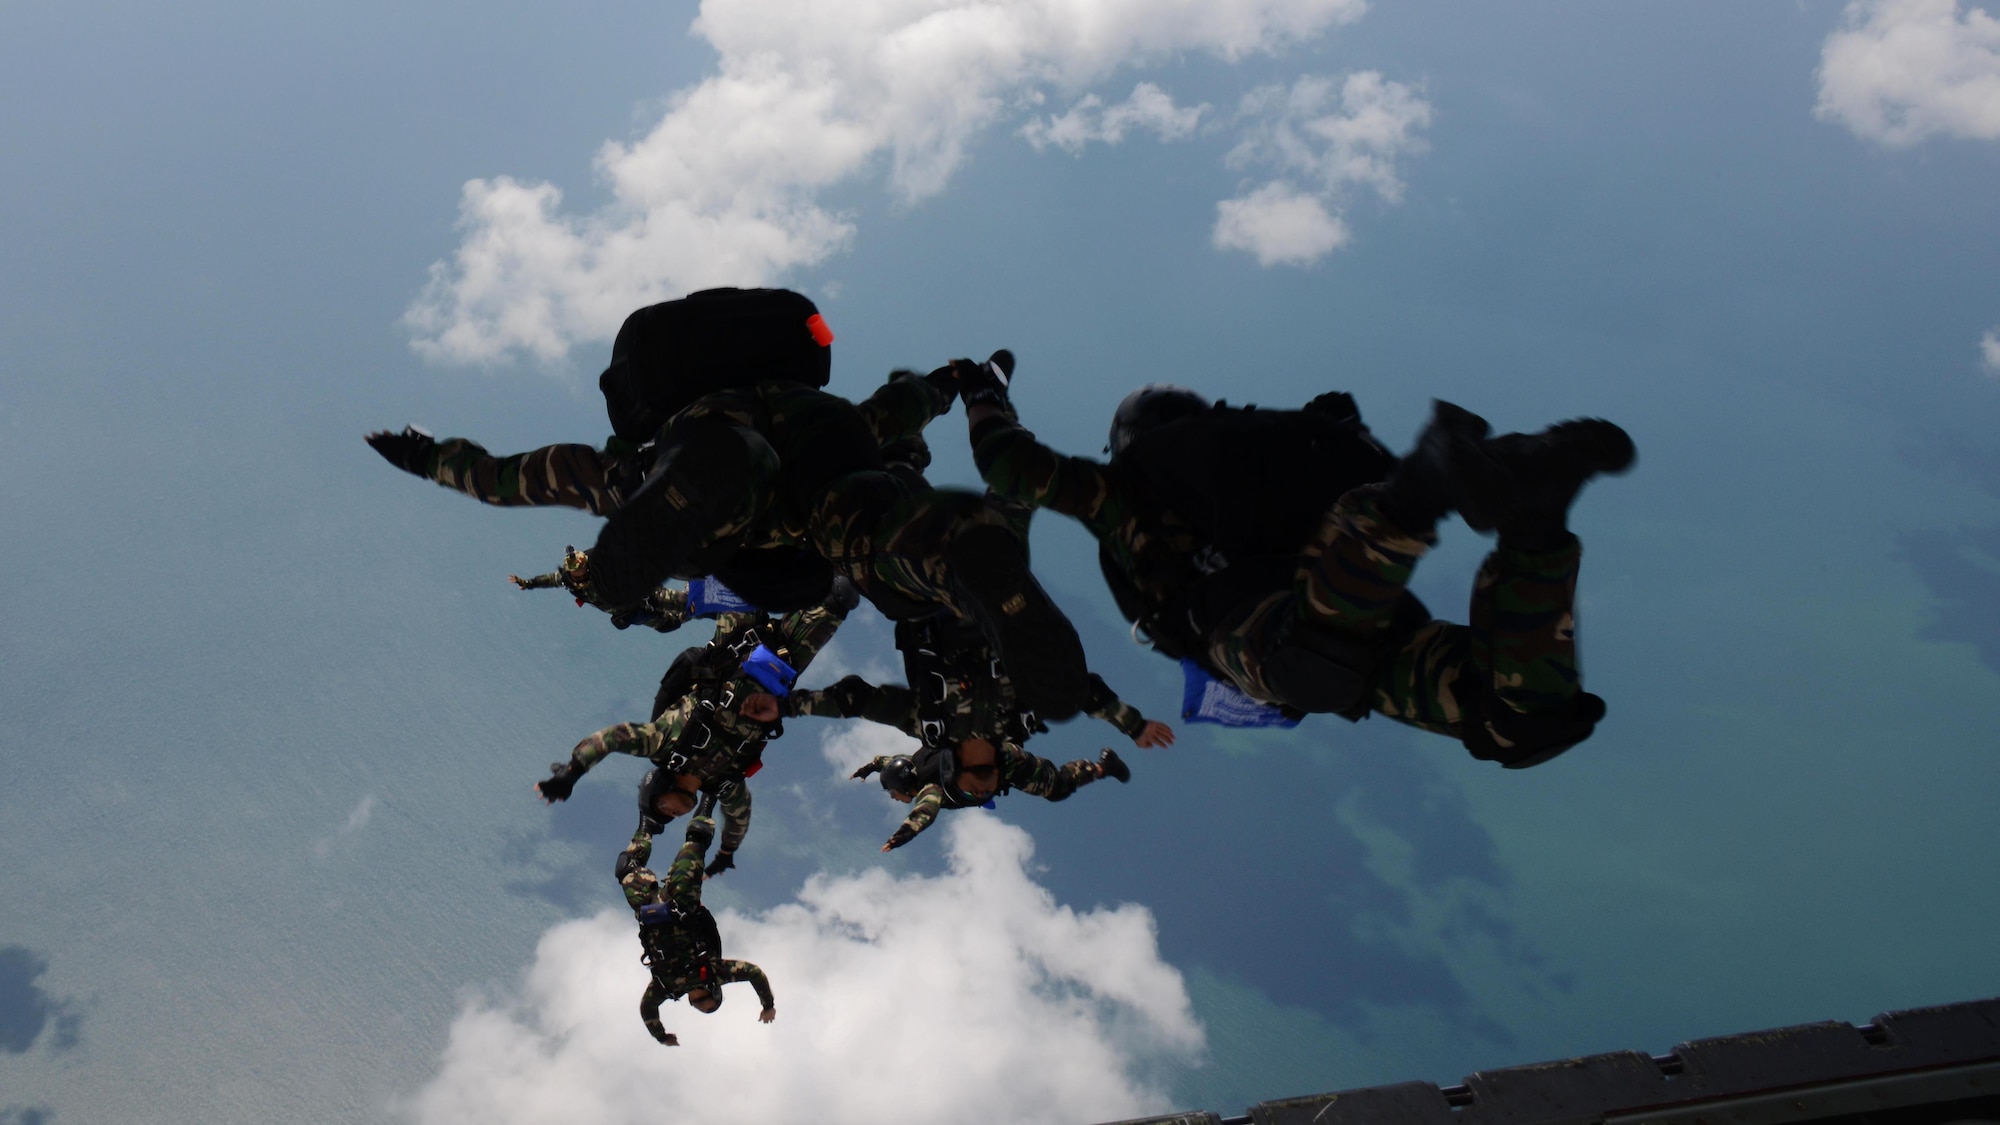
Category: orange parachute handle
<point>822,335</point>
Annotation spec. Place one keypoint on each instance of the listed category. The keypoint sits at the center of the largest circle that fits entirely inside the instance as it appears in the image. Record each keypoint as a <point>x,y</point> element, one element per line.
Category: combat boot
<point>1449,470</point>
<point>1109,764</point>
<point>700,480</point>
<point>1037,644</point>
<point>1549,469</point>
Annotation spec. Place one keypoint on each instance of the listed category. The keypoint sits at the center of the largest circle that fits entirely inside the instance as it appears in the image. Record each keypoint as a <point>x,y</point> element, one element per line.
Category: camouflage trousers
<point>1043,778</point>
<point>891,539</point>
<point>1516,657</point>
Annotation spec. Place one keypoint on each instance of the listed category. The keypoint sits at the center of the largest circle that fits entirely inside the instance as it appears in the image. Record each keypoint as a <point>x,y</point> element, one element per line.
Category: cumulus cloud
<point>724,189</point>
<point>1898,71</point>
<point>357,819</point>
<point>973,996</point>
<point>1321,140</point>
<point>1989,350</point>
<point>1149,108</point>
<point>855,743</point>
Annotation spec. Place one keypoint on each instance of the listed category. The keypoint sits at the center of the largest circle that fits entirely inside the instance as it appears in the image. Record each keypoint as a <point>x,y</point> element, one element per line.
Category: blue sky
<point>271,711</point>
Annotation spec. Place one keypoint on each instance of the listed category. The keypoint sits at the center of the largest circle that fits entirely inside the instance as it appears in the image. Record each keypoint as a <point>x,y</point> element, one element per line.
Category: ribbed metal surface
<point>1928,1065</point>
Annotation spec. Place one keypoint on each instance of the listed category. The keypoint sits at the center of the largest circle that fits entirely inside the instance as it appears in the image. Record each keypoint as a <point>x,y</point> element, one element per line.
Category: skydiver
<point>712,718</point>
<point>683,948</point>
<point>1324,623</point>
<point>664,610</point>
<point>744,476</point>
<point>973,773</point>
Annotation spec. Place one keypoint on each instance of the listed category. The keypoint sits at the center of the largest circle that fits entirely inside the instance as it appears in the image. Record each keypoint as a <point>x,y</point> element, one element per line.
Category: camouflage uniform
<point>1518,655</point>
<point>981,705</point>
<point>887,533</point>
<point>684,968</point>
<point>708,737</point>
<point>664,610</point>
<point>1018,770</point>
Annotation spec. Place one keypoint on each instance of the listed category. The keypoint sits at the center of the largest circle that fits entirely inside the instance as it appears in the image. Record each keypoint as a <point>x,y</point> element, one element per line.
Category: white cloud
<point>1279,225</point>
<point>724,188</point>
<point>1989,350</point>
<point>1322,142</point>
<point>1899,71</point>
<point>854,743</point>
<point>970,997</point>
<point>1089,120</point>
<point>357,819</point>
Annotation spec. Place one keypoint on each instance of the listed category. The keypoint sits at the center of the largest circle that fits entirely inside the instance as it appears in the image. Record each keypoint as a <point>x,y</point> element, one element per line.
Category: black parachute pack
<point>669,354</point>
<point>1258,482</point>
<point>669,936</point>
<point>1255,485</point>
<point>940,650</point>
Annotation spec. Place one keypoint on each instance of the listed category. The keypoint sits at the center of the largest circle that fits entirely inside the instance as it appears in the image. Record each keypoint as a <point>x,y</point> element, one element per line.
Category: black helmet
<point>1148,408</point>
<point>899,777</point>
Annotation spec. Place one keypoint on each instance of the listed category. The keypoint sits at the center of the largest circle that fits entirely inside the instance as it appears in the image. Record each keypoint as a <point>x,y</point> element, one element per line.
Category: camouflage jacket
<point>684,966</point>
<point>1018,770</point>
<point>710,737</point>
<point>1154,550</point>
<point>664,610</point>
<point>600,480</point>
<point>980,705</point>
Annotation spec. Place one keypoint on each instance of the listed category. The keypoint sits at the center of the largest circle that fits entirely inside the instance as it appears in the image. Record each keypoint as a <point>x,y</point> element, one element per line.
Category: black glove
<point>562,778</point>
<point>701,830</point>
<point>944,379</point>
<point>868,770</point>
<point>409,450</point>
<point>843,597</point>
<point>985,382</point>
<point>723,861</point>
<point>902,835</point>
<point>850,694</point>
<point>628,862</point>
<point>1337,405</point>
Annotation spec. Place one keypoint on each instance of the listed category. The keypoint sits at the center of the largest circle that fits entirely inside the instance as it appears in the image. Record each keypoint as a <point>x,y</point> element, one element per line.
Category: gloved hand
<point>409,450</point>
<point>985,382</point>
<point>562,778</point>
<point>723,861</point>
<point>843,597</point>
<point>701,830</point>
<point>868,769</point>
<point>1337,405</point>
<point>902,835</point>
<point>944,379</point>
<point>850,694</point>
<point>666,1038</point>
<point>628,862</point>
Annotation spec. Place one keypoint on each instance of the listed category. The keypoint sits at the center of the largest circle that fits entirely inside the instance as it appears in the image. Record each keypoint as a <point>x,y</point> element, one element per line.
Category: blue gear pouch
<point>707,596</point>
<point>1205,699</point>
<point>656,914</point>
<point>768,669</point>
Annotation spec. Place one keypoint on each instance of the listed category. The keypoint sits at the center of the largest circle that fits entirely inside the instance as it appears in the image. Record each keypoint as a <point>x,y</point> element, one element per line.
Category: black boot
<point>1549,469</point>
<point>1111,765</point>
<point>1037,644</point>
<point>1449,470</point>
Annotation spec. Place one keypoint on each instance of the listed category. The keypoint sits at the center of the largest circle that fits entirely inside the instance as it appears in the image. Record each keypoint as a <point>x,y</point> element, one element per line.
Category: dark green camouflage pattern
<point>683,968</point>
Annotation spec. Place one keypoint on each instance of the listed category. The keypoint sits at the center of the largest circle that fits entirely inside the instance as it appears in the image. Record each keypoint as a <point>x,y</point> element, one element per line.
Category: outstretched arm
<point>1103,703</point>
<point>852,697</point>
<point>923,810</point>
<point>649,1011</point>
<point>904,405</point>
<point>569,476</point>
<point>744,970</point>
